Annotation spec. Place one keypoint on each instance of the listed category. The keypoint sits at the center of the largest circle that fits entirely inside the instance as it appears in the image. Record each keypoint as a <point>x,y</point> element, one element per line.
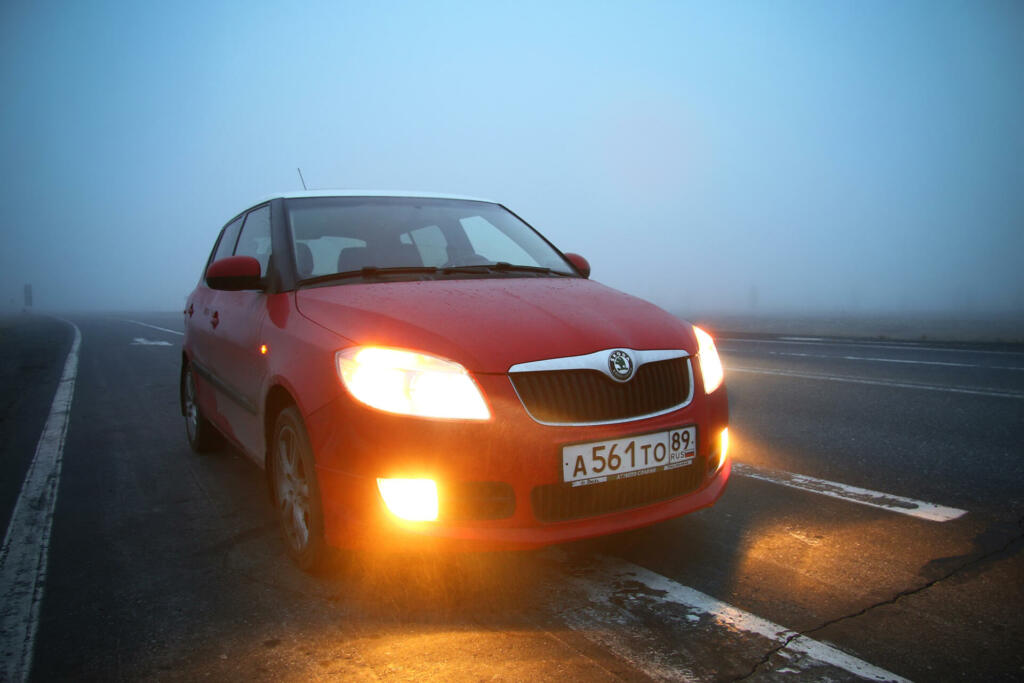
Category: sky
<point>716,156</point>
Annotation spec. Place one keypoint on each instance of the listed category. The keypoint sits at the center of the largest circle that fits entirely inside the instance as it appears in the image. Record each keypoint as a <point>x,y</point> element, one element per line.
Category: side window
<point>431,244</point>
<point>255,239</point>
<point>226,246</point>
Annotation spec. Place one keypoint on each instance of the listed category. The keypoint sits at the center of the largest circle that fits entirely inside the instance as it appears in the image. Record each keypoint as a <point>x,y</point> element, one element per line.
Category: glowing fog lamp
<point>414,500</point>
<point>410,383</point>
<point>710,364</point>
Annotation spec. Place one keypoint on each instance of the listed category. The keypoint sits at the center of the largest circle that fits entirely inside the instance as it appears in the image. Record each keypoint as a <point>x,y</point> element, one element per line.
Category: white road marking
<point>605,580</point>
<point>880,382</point>
<point>162,329</point>
<point>814,339</point>
<point>910,346</point>
<point>142,341</point>
<point>894,360</point>
<point>853,494</point>
<point>25,552</point>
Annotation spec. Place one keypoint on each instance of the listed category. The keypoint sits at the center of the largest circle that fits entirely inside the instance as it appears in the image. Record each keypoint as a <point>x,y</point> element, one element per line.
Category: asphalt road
<point>825,560</point>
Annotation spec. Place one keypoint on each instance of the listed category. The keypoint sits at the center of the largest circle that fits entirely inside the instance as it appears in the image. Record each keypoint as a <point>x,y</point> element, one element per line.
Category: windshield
<point>415,237</point>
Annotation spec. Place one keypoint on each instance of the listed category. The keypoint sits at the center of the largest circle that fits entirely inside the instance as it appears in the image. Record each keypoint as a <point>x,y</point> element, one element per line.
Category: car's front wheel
<point>296,493</point>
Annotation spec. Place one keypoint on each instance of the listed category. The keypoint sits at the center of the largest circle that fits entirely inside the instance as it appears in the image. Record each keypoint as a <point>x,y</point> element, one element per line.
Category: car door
<point>200,326</point>
<point>238,317</point>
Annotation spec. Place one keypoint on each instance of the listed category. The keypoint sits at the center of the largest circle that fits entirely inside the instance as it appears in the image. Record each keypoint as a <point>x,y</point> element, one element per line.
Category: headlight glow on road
<point>710,364</point>
<point>414,500</point>
<point>410,383</point>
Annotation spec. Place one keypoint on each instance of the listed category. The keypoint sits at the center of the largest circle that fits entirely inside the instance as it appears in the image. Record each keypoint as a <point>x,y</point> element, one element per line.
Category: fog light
<point>414,500</point>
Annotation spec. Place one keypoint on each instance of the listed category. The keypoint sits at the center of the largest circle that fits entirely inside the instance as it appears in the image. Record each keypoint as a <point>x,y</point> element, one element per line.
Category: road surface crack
<point>984,557</point>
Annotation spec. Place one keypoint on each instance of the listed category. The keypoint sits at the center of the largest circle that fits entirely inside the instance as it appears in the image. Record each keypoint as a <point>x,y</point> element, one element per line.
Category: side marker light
<point>723,450</point>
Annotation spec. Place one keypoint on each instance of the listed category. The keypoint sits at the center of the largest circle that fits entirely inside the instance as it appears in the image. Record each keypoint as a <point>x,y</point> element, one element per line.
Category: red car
<point>423,367</point>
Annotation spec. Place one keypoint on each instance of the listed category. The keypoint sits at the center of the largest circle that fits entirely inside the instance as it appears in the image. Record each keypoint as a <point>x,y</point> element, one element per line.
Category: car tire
<point>296,494</point>
<point>203,437</point>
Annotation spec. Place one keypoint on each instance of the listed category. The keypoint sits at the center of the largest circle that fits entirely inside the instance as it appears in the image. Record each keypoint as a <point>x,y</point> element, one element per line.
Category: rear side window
<point>255,239</point>
<point>226,246</point>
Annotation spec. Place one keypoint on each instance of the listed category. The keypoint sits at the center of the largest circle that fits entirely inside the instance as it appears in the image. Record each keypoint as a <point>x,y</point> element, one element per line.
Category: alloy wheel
<point>292,489</point>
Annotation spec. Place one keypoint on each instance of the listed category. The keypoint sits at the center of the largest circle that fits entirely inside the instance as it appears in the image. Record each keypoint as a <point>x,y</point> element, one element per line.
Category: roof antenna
<point>302,179</point>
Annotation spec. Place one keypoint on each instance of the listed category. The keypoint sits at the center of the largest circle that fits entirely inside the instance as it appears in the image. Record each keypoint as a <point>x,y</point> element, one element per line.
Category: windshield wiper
<point>505,266</point>
<point>369,272</point>
<point>476,269</point>
<point>498,267</point>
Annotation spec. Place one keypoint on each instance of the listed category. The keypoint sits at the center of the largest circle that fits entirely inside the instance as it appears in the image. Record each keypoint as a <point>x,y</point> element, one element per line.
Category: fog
<point>741,157</point>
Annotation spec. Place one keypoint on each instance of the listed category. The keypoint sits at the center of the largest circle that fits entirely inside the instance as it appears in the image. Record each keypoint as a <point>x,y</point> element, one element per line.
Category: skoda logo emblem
<point>620,365</point>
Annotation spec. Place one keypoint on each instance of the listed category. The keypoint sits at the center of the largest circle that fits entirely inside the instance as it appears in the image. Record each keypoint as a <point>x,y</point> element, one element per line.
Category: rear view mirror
<point>234,273</point>
<point>581,264</point>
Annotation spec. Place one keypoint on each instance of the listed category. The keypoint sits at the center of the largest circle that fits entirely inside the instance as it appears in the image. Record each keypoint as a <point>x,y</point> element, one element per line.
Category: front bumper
<point>509,456</point>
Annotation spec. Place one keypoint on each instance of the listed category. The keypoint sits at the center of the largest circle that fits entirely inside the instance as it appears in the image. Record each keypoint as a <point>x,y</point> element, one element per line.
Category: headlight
<point>410,383</point>
<point>710,364</point>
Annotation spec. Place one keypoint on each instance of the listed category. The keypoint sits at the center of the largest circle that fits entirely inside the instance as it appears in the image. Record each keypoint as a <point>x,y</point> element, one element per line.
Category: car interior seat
<point>304,260</point>
<point>354,258</point>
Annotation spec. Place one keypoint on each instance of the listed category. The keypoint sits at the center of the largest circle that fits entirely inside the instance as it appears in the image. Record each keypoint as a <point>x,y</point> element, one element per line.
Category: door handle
<point>215,319</point>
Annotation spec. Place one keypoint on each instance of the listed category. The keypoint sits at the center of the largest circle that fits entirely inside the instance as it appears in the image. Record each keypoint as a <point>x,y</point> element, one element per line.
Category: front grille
<point>474,500</point>
<point>561,502</point>
<point>582,396</point>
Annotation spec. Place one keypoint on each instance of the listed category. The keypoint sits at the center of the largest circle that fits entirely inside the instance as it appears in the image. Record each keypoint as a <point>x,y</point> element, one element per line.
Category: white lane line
<point>162,329</point>
<point>25,552</point>
<point>142,341</point>
<point>853,494</point>
<point>895,360</point>
<point>803,339</point>
<point>870,345</point>
<point>607,577</point>
<point>880,382</point>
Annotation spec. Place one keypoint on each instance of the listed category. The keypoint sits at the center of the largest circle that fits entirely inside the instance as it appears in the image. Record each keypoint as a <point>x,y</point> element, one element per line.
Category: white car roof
<point>371,193</point>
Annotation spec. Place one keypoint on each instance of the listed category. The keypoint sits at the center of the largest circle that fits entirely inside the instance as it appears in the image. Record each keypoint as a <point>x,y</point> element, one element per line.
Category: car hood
<point>489,325</point>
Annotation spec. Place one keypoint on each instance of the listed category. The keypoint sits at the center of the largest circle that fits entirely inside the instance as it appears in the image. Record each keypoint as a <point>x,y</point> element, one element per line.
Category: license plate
<point>631,456</point>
